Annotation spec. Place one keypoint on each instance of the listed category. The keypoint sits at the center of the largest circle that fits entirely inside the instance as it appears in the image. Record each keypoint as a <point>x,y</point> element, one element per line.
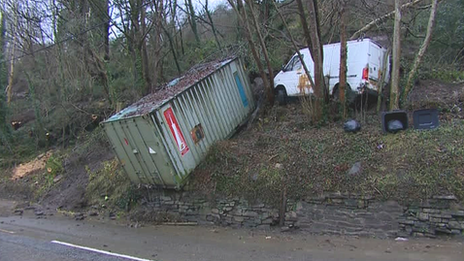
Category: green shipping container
<point>160,139</point>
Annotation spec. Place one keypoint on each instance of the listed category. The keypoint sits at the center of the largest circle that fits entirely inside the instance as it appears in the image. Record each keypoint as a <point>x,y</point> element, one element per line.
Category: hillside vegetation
<point>65,66</point>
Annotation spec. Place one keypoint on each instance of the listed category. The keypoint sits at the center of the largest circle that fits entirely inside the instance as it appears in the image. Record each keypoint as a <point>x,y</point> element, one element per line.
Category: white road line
<point>6,231</point>
<point>99,251</point>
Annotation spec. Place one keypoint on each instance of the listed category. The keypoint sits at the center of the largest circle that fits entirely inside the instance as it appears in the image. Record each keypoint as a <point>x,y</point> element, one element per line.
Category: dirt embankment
<point>58,178</point>
<point>283,152</point>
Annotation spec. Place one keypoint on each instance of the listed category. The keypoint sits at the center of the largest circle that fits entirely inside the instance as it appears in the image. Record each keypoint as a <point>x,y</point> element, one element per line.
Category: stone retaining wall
<point>332,214</point>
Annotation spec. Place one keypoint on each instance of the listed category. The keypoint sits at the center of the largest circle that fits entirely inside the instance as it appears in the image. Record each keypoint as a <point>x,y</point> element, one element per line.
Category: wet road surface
<point>58,238</point>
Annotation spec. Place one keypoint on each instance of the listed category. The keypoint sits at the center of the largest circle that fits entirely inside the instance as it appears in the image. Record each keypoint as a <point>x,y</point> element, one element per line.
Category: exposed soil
<point>37,164</point>
<point>69,193</point>
<point>447,97</point>
<point>66,189</point>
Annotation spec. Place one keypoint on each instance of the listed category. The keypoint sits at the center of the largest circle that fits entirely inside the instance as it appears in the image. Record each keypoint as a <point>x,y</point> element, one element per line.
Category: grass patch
<point>408,166</point>
<point>42,182</point>
<point>110,188</point>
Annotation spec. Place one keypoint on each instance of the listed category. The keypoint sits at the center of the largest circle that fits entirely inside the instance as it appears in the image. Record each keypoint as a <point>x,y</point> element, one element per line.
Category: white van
<point>365,60</point>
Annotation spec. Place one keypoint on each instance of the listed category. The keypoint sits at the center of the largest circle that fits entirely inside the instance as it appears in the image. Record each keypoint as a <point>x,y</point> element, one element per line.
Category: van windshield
<point>294,64</point>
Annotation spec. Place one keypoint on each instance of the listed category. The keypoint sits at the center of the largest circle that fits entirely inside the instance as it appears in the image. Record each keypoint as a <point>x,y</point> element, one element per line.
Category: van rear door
<point>375,63</point>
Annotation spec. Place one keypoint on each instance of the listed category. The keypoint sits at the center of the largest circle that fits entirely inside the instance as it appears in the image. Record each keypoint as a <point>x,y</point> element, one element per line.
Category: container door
<point>151,153</point>
<point>124,148</point>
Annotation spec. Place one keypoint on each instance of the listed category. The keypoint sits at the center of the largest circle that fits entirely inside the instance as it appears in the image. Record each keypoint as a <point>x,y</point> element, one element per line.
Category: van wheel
<point>281,97</point>
<point>336,95</point>
<point>348,94</point>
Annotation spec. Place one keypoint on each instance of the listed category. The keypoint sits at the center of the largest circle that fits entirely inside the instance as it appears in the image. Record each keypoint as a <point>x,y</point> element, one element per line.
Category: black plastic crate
<point>402,116</point>
<point>426,119</point>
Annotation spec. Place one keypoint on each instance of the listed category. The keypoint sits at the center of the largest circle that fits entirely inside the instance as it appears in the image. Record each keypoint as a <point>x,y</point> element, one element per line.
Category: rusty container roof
<point>169,90</point>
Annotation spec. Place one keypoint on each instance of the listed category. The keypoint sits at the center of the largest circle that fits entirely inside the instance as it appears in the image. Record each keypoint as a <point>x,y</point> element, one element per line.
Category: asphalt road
<point>58,238</point>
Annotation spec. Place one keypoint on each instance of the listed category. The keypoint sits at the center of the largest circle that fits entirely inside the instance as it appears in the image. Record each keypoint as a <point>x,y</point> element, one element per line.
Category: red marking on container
<point>175,131</point>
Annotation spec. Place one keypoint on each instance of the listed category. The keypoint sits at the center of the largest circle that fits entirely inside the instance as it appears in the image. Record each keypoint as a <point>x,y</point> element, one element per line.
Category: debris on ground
<point>352,126</point>
<point>394,126</point>
<point>355,169</point>
<point>79,216</point>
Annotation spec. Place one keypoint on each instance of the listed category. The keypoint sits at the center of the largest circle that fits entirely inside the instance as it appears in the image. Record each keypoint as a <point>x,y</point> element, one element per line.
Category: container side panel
<point>171,146</point>
<point>208,103</point>
<point>247,84</point>
<point>226,102</point>
<point>208,129</point>
<point>197,133</point>
<point>219,101</point>
<point>241,110</point>
<point>186,123</point>
<point>175,129</point>
<point>237,107</point>
<point>241,78</point>
<point>188,160</point>
<point>191,116</point>
<point>241,90</point>
<point>215,90</point>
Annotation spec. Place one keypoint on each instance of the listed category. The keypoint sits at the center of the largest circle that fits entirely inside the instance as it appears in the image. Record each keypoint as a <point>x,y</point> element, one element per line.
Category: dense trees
<point>62,61</point>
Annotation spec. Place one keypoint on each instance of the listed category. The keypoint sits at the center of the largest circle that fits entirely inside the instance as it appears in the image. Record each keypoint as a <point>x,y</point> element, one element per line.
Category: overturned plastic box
<point>160,139</point>
<point>400,116</point>
<point>426,119</point>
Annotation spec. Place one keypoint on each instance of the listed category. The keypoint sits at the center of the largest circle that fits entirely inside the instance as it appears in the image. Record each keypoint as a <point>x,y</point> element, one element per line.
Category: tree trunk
<point>106,30</point>
<point>263,48</point>
<point>157,43</point>
<point>381,19</point>
<point>4,126</point>
<point>396,55</point>
<point>9,88</point>
<point>213,28</point>
<point>317,51</point>
<point>181,40</point>
<point>40,129</point>
<point>173,49</point>
<point>423,48</point>
<point>343,57</point>
<point>304,24</point>
<point>312,34</point>
<point>145,65</point>
<point>192,20</point>
<point>243,18</point>
<point>382,78</point>
<point>295,46</point>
